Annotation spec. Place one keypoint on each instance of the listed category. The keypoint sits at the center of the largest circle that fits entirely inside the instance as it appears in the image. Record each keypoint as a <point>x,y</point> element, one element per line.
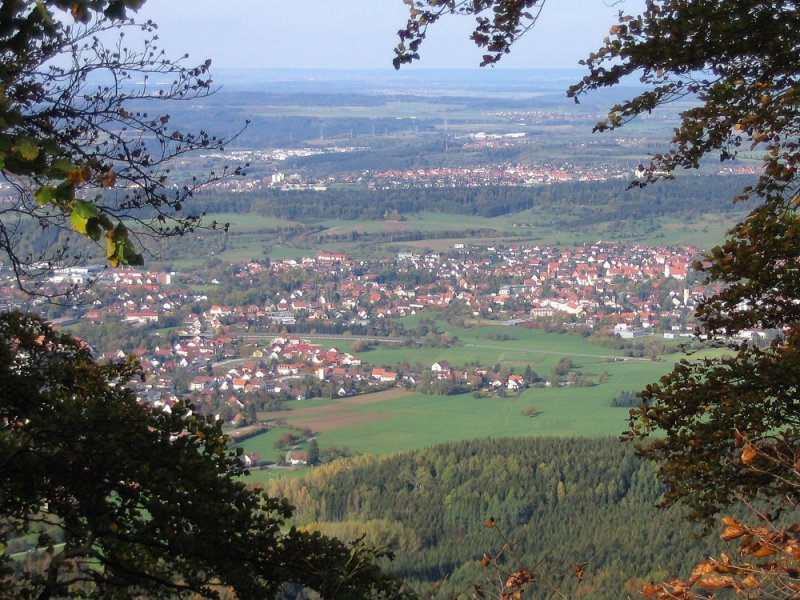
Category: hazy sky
<point>361,34</point>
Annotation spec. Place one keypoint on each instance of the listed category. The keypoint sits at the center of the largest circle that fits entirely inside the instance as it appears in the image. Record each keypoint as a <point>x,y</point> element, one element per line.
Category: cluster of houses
<point>646,287</point>
<point>286,367</point>
<point>589,283</point>
<point>649,287</point>
<point>505,174</point>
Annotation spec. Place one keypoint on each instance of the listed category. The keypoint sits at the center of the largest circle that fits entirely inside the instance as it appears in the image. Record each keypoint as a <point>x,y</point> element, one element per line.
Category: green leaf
<point>43,14</point>
<point>94,229</point>
<point>135,260</point>
<point>105,222</point>
<point>120,250</point>
<point>65,193</point>
<point>120,231</point>
<point>85,209</point>
<point>61,167</point>
<point>45,195</point>
<point>27,148</point>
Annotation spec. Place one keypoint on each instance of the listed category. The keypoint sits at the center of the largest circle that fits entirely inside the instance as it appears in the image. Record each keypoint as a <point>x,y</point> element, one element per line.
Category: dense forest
<point>556,502</point>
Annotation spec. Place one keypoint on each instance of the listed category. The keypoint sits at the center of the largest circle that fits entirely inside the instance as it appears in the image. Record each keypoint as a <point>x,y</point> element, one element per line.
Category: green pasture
<point>512,353</point>
<point>265,475</point>
<point>705,231</point>
<point>240,222</point>
<point>534,347</point>
<point>419,420</point>
<point>254,236</point>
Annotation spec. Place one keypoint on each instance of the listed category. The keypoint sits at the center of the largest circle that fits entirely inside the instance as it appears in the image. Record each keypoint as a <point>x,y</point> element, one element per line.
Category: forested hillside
<point>558,501</point>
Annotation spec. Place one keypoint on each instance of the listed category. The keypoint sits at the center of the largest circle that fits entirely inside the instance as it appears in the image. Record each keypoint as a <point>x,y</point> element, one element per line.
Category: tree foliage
<point>120,499</point>
<point>712,410</point>
<point>763,560</point>
<point>560,501</point>
<point>76,140</point>
<point>507,21</point>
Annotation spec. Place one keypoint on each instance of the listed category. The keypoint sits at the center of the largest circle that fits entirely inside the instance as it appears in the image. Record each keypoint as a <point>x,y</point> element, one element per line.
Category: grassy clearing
<point>399,420</point>
<point>240,222</point>
<point>532,347</point>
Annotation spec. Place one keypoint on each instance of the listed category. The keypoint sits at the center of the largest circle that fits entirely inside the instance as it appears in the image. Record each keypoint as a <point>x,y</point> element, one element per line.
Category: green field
<point>256,236</point>
<point>407,420</point>
<point>534,347</point>
<point>419,420</point>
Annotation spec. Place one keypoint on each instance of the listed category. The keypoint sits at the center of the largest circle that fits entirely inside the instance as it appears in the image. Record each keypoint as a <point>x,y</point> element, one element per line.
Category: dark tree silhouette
<point>77,141</point>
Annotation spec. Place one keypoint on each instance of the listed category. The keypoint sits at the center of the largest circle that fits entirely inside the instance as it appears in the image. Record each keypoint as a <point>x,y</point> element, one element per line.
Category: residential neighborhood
<point>220,351</point>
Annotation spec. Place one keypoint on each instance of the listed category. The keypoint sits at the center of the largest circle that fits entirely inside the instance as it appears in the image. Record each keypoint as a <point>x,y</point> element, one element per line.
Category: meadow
<point>400,420</point>
<point>253,236</point>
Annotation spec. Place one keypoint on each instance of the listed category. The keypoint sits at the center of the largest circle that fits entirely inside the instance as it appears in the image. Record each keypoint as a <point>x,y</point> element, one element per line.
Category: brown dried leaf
<point>108,179</point>
<point>77,176</point>
<point>700,570</point>
<point>716,582</point>
<point>518,578</point>
<point>750,581</point>
<point>749,453</point>
<point>678,587</point>
<point>651,590</point>
<point>763,550</point>
<point>732,532</point>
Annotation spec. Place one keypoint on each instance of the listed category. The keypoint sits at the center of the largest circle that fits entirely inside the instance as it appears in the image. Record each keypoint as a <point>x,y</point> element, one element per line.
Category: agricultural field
<point>256,236</point>
<point>398,419</point>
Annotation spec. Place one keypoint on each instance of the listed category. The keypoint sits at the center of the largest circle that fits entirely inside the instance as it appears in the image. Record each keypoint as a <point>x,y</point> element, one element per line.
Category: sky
<point>361,34</point>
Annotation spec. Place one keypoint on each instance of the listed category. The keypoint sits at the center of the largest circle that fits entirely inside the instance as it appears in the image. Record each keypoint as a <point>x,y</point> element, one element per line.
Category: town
<point>241,339</point>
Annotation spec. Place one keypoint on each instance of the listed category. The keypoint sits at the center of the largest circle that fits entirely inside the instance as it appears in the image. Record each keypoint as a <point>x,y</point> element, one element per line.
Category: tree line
<point>689,196</point>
